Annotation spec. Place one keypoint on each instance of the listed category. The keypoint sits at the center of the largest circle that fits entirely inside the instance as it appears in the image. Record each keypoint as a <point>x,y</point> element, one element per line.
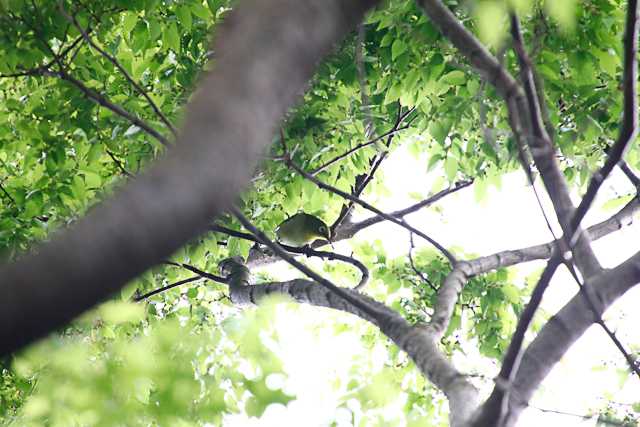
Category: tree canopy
<point>129,128</point>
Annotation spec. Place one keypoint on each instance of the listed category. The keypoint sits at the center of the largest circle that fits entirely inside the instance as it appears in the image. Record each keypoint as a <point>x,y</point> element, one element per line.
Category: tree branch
<point>543,155</point>
<point>105,102</point>
<point>629,128</point>
<point>200,176</point>
<point>114,61</point>
<point>138,298</point>
<point>401,222</point>
<point>414,340</point>
<point>564,328</point>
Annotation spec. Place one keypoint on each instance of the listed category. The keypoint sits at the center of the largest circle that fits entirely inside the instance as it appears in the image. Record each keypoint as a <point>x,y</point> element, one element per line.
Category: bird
<point>301,229</point>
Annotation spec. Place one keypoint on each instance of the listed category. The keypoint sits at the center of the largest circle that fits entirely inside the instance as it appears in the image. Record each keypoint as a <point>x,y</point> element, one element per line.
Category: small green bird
<point>302,229</point>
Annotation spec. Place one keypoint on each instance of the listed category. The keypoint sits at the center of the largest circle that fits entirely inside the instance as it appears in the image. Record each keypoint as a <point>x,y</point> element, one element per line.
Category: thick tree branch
<point>543,155</point>
<point>564,328</point>
<point>480,58</point>
<point>281,252</point>
<point>464,270</point>
<point>414,340</point>
<point>199,178</point>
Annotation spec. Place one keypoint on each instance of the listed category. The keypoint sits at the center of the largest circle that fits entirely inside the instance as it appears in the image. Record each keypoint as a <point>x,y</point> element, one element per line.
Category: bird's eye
<point>322,229</point>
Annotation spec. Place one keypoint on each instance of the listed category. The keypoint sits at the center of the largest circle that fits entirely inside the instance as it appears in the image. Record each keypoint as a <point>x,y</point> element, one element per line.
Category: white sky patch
<point>315,357</point>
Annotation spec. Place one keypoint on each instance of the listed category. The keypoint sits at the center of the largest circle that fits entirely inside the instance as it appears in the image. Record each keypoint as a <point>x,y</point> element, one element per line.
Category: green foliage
<point>181,358</point>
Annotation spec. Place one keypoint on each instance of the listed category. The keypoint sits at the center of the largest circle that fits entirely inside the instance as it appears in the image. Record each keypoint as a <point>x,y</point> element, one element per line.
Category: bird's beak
<point>329,239</point>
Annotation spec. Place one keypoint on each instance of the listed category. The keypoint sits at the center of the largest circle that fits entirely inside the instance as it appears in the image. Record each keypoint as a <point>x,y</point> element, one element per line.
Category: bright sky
<point>509,218</point>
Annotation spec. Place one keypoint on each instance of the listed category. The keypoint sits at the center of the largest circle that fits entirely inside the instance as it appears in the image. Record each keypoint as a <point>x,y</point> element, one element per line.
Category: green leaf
<point>454,78</point>
<point>397,48</point>
<point>129,20</point>
<point>155,29</point>
<point>184,17</point>
<point>490,16</point>
<point>172,37</point>
<point>393,94</point>
<point>192,293</point>
<point>118,312</point>
<point>200,11</point>
<point>451,168</point>
<point>564,12</point>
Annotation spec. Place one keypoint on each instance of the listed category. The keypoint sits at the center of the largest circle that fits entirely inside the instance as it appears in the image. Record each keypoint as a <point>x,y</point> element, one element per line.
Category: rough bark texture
<point>564,328</point>
<point>228,124</point>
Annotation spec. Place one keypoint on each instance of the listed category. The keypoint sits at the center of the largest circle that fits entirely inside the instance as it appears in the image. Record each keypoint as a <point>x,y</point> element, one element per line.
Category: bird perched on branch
<point>301,229</point>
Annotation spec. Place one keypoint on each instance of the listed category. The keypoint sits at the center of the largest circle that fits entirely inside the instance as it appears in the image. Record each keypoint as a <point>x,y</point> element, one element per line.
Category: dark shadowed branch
<point>282,253</point>
<point>142,297</point>
<point>173,201</point>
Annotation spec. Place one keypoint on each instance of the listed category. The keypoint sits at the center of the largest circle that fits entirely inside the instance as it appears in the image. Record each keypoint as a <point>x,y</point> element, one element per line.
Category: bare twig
<point>239,234</point>
<point>630,174</point>
<point>342,293</point>
<point>119,164</point>
<point>306,250</point>
<point>309,252</point>
<point>166,288</point>
<point>6,193</point>
<point>197,271</point>
<point>105,102</point>
<point>398,221</point>
<point>114,61</point>
<point>363,180</point>
<point>634,365</point>
<point>39,71</point>
<point>356,148</point>
<point>413,265</point>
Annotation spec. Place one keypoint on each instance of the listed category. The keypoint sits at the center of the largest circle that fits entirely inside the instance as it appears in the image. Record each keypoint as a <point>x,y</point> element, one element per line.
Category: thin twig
<point>239,234</point>
<point>197,271</point>
<point>7,194</point>
<point>634,365</point>
<point>630,174</point>
<point>629,128</point>
<point>582,416</point>
<point>413,265</point>
<point>363,180</point>
<point>356,148</point>
<point>166,288</point>
<point>119,164</point>
<point>105,102</point>
<point>114,61</point>
<point>278,250</point>
<point>398,221</point>
<point>309,252</point>
<point>306,250</point>
<point>38,71</point>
